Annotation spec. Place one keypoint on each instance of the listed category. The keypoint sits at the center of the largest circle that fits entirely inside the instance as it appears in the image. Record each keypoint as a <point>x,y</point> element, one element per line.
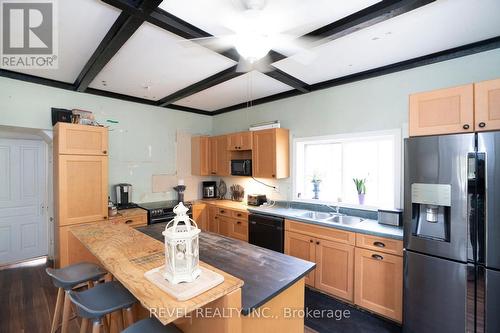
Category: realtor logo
<point>29,37</point>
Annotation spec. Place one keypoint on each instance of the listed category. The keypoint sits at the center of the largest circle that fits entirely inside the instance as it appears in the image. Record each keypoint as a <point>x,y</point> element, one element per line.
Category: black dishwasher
<point>267,231</point>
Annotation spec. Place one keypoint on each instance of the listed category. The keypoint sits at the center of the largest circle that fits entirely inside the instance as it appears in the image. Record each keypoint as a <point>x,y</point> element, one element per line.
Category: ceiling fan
<point>254,39</point>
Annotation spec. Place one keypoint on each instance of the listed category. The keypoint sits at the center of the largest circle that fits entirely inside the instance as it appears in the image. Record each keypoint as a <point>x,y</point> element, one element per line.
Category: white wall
<point>142,144</point>
<point>375,104</point>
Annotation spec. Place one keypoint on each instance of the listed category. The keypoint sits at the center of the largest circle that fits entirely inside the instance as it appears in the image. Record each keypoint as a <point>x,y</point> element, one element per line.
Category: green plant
<point>360,185</point>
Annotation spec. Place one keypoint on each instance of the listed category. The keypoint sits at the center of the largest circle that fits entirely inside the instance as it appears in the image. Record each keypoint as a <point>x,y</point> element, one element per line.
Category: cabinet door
<point>200,162</point>
<point>303,247</point>
<point>225,225</point>
<point>200,215</point>
<point>233,141</point>
<point>82,189</point>
<point>213,219</point>
<point>239,229</point>
<point>213,155</point>
<point>335,271</point>
<point>379,283</point>
<point>245,140</point>
<point>69,250</point>
<point>487,105</point>
<point>222,168</point>
<point>264,154</point>
<point>81,139</point>
<point>442,111</point>
<point>134,221</point>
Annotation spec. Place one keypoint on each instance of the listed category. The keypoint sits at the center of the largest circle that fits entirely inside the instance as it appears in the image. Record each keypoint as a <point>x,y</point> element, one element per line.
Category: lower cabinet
<point>200,216</point>
<point>224,226</point>
<point>303,247</point>
<point>379,283</point>
<point>69,250</point>
<point>213,219</point>
<point>239,230</point>
<point>224,221</point>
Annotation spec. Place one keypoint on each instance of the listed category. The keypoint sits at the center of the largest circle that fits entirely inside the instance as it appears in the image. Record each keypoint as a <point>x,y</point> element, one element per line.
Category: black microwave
<point>241,167</point>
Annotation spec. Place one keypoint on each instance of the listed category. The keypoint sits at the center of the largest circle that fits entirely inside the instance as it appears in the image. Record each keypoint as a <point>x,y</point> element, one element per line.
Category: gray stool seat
<point>70,276</point>
<point>151,325</point>
<point>101,300</point>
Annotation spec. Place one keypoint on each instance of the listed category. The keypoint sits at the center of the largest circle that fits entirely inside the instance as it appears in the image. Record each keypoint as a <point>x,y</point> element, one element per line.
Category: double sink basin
<point>334,218</point>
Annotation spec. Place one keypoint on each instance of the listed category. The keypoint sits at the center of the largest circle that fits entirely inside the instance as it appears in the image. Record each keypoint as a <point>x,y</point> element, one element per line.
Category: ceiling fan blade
<point>244,66</point>
<point>214,43</point>
<point>264,64</point>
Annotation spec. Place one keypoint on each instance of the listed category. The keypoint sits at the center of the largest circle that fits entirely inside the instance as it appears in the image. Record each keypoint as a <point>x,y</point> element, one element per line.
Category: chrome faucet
<point>336,208</point>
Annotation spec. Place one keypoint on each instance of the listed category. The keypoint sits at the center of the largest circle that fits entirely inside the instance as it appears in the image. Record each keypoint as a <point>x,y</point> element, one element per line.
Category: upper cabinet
<point>200,162</point>
<point>270,153</point>
<point>463,109</point>
<point>74,139</point>
<point>219,156</point>
<point>442,111</point>
<point>239,141</point>
<point>487,105</point>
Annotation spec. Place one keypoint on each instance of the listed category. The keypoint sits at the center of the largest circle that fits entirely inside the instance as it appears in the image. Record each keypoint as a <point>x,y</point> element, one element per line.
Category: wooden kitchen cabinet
<point>213,219</point>
<point>239,141</point>
<point>443,111</point>
<point>335,270</point>
<point>239,229</point>
<point>379,283</point>
<point>69,250</point>
<point>487,105</point>
<point>81,189</point>
<point>200,153</point>
<point>270,153</point>
<point>80,139</point>
<point>225,225</point>
<point>200,216</point>
<point>218,156</point>
<point>134,217</point>
<point>303,247</point>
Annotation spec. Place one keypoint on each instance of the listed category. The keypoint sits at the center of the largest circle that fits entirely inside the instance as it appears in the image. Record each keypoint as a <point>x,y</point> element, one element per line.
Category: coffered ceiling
<point>157,52</point>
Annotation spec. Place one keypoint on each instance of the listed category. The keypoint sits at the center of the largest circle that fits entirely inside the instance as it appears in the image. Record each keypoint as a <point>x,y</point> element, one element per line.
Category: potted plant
<point>316,181</point>
<point>361,189</point>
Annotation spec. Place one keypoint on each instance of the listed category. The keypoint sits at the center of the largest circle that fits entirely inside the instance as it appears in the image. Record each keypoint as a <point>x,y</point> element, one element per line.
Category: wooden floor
<point>27,300</point>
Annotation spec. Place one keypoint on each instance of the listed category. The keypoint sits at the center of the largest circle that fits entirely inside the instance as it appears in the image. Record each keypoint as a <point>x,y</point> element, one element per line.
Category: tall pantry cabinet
<point>80,183</point>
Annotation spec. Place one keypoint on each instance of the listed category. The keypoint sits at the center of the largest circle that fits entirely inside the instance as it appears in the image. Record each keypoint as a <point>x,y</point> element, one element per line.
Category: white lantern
<point>181,247</point>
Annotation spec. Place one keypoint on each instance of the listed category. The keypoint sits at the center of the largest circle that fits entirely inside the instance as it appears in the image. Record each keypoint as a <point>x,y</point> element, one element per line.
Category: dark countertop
<point>266,273</point>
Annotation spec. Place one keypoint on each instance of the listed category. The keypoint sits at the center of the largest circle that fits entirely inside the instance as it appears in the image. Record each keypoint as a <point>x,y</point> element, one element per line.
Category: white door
<point>23,226</point>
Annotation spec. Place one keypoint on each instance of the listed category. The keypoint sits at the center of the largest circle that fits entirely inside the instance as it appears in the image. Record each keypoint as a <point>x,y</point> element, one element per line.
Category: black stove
<point>162,211</point>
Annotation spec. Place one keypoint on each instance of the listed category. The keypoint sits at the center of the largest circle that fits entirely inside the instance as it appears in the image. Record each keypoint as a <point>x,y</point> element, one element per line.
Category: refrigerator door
<point>489,227</point>
<point>492,309</point>
<point>435,295</point>
<point>436,198</point>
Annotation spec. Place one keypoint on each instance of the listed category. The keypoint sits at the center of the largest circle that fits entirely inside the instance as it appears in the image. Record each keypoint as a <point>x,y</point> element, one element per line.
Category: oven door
<point>165,218</point>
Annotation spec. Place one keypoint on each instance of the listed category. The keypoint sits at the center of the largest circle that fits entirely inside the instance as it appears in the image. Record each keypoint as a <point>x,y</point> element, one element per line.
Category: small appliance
<point>209,190</point>
<point>256,199</point>
<point>124,196</point>
<point>241,167</point>
<point>61,115</point>
<point>390,217</point>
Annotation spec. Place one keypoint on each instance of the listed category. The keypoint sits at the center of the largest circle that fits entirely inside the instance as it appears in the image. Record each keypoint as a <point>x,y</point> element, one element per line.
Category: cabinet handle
<point>317,242</point>
<point>239,215</point>
<point>213,173</point>
<point>466,127</point>
<point>311,241</point>
<point>105,217</point>
<point>129,221</point>
<point>238,222</point>
<point>222,211</point>
<point>104,151</point>
<point>273,176</point>
<point>379,244</point>
<point>481,124</point>
<point>377,257</point>
<point>216,217</point>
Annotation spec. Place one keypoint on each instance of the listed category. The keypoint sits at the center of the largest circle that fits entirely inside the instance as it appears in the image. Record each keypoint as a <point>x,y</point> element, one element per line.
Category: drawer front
<point>239,215</point>
<point>240,230</point>
<point>225,212</point>
<point>132,221</point>
<point>336,235</point>
<point>380,244</point>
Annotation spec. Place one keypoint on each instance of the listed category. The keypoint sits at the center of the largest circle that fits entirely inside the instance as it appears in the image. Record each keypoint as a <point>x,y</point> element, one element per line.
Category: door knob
<point>481,124</point>
<point>466,127</point>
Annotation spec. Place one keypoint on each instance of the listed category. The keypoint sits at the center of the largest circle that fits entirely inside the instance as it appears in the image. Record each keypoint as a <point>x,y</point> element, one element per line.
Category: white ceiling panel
<point>220,17</point>
<point>81,24</point>
<point>249,86</point>
<point>154,63</point>
<point>436,27</point>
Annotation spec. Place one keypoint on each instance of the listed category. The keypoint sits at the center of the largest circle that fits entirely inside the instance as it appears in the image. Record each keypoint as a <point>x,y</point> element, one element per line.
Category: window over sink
<point>325,169</point>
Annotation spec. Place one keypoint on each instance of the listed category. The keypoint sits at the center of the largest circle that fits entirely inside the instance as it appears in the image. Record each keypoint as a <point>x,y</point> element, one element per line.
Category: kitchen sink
<point>316,215</point>
<point>343,219</point>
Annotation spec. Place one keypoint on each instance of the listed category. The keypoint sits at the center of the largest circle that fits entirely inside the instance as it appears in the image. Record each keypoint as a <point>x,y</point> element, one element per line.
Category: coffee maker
<point>124,196</point>
<point>209,189</point>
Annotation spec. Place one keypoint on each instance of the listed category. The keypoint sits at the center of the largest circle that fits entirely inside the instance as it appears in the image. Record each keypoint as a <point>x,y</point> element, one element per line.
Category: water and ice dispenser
<point>431,205</point>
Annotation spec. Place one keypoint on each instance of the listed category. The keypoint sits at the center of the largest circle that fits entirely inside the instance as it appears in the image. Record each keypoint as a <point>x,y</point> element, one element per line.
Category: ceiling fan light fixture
<point>253,47</point>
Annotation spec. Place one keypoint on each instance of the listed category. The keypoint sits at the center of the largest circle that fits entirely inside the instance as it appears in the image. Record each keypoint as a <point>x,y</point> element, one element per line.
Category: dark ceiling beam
<point>123,28</point>
<point>210,81</point>
<point>457,52</point>
<point>35,79</point>
<point>288,79</point>
<point>377,13</point>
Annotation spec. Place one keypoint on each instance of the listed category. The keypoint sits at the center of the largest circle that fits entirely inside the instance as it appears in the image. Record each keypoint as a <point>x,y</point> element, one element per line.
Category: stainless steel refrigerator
<point>452,234</point>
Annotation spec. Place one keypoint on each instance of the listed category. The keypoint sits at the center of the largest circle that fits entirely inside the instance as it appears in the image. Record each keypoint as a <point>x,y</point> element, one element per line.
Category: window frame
<point>350,137</point>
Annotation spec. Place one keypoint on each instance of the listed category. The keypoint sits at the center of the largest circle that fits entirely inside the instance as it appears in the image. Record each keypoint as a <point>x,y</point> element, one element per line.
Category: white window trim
<point>398,164</point>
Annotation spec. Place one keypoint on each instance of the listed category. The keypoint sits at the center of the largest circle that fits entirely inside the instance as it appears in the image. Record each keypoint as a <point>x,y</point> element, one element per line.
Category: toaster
<point>256,199</point>
<point>392,217</point>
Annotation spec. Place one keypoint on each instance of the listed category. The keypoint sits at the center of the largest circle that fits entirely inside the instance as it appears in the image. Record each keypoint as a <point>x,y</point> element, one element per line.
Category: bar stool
<point>151,325</point>
<point>65,279</point>
<point>105,298</point>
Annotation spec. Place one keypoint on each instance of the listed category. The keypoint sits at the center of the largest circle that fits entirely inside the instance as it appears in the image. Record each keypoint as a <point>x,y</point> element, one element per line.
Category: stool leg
<point>130,316</point>
<point>105,325</point>
<point>96,327</point>
<point>90,284</point>
<point>57,310</point>
<point>66,308</point>
<point>84,325</point>
<point>117,317</point>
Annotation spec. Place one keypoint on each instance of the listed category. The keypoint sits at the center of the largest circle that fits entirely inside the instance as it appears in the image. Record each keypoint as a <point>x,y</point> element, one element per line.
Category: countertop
<point>367,226</point>
<point>124,213</point>
<point>127,254</point>
<point>229,204</point>
<point>265,273</point>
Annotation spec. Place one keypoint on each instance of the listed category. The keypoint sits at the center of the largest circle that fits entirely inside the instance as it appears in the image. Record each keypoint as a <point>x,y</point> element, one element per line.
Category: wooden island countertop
<point>127,254</point>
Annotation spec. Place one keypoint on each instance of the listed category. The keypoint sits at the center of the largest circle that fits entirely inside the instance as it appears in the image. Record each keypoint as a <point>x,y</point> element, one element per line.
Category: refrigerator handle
<point>480,215</point>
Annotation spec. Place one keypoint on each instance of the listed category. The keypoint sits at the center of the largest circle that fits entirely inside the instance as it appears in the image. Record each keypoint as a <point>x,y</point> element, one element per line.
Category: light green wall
<point>143,143</point>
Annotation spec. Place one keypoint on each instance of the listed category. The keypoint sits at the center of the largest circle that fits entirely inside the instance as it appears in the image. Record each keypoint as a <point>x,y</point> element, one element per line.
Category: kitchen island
<point>262,289</point>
